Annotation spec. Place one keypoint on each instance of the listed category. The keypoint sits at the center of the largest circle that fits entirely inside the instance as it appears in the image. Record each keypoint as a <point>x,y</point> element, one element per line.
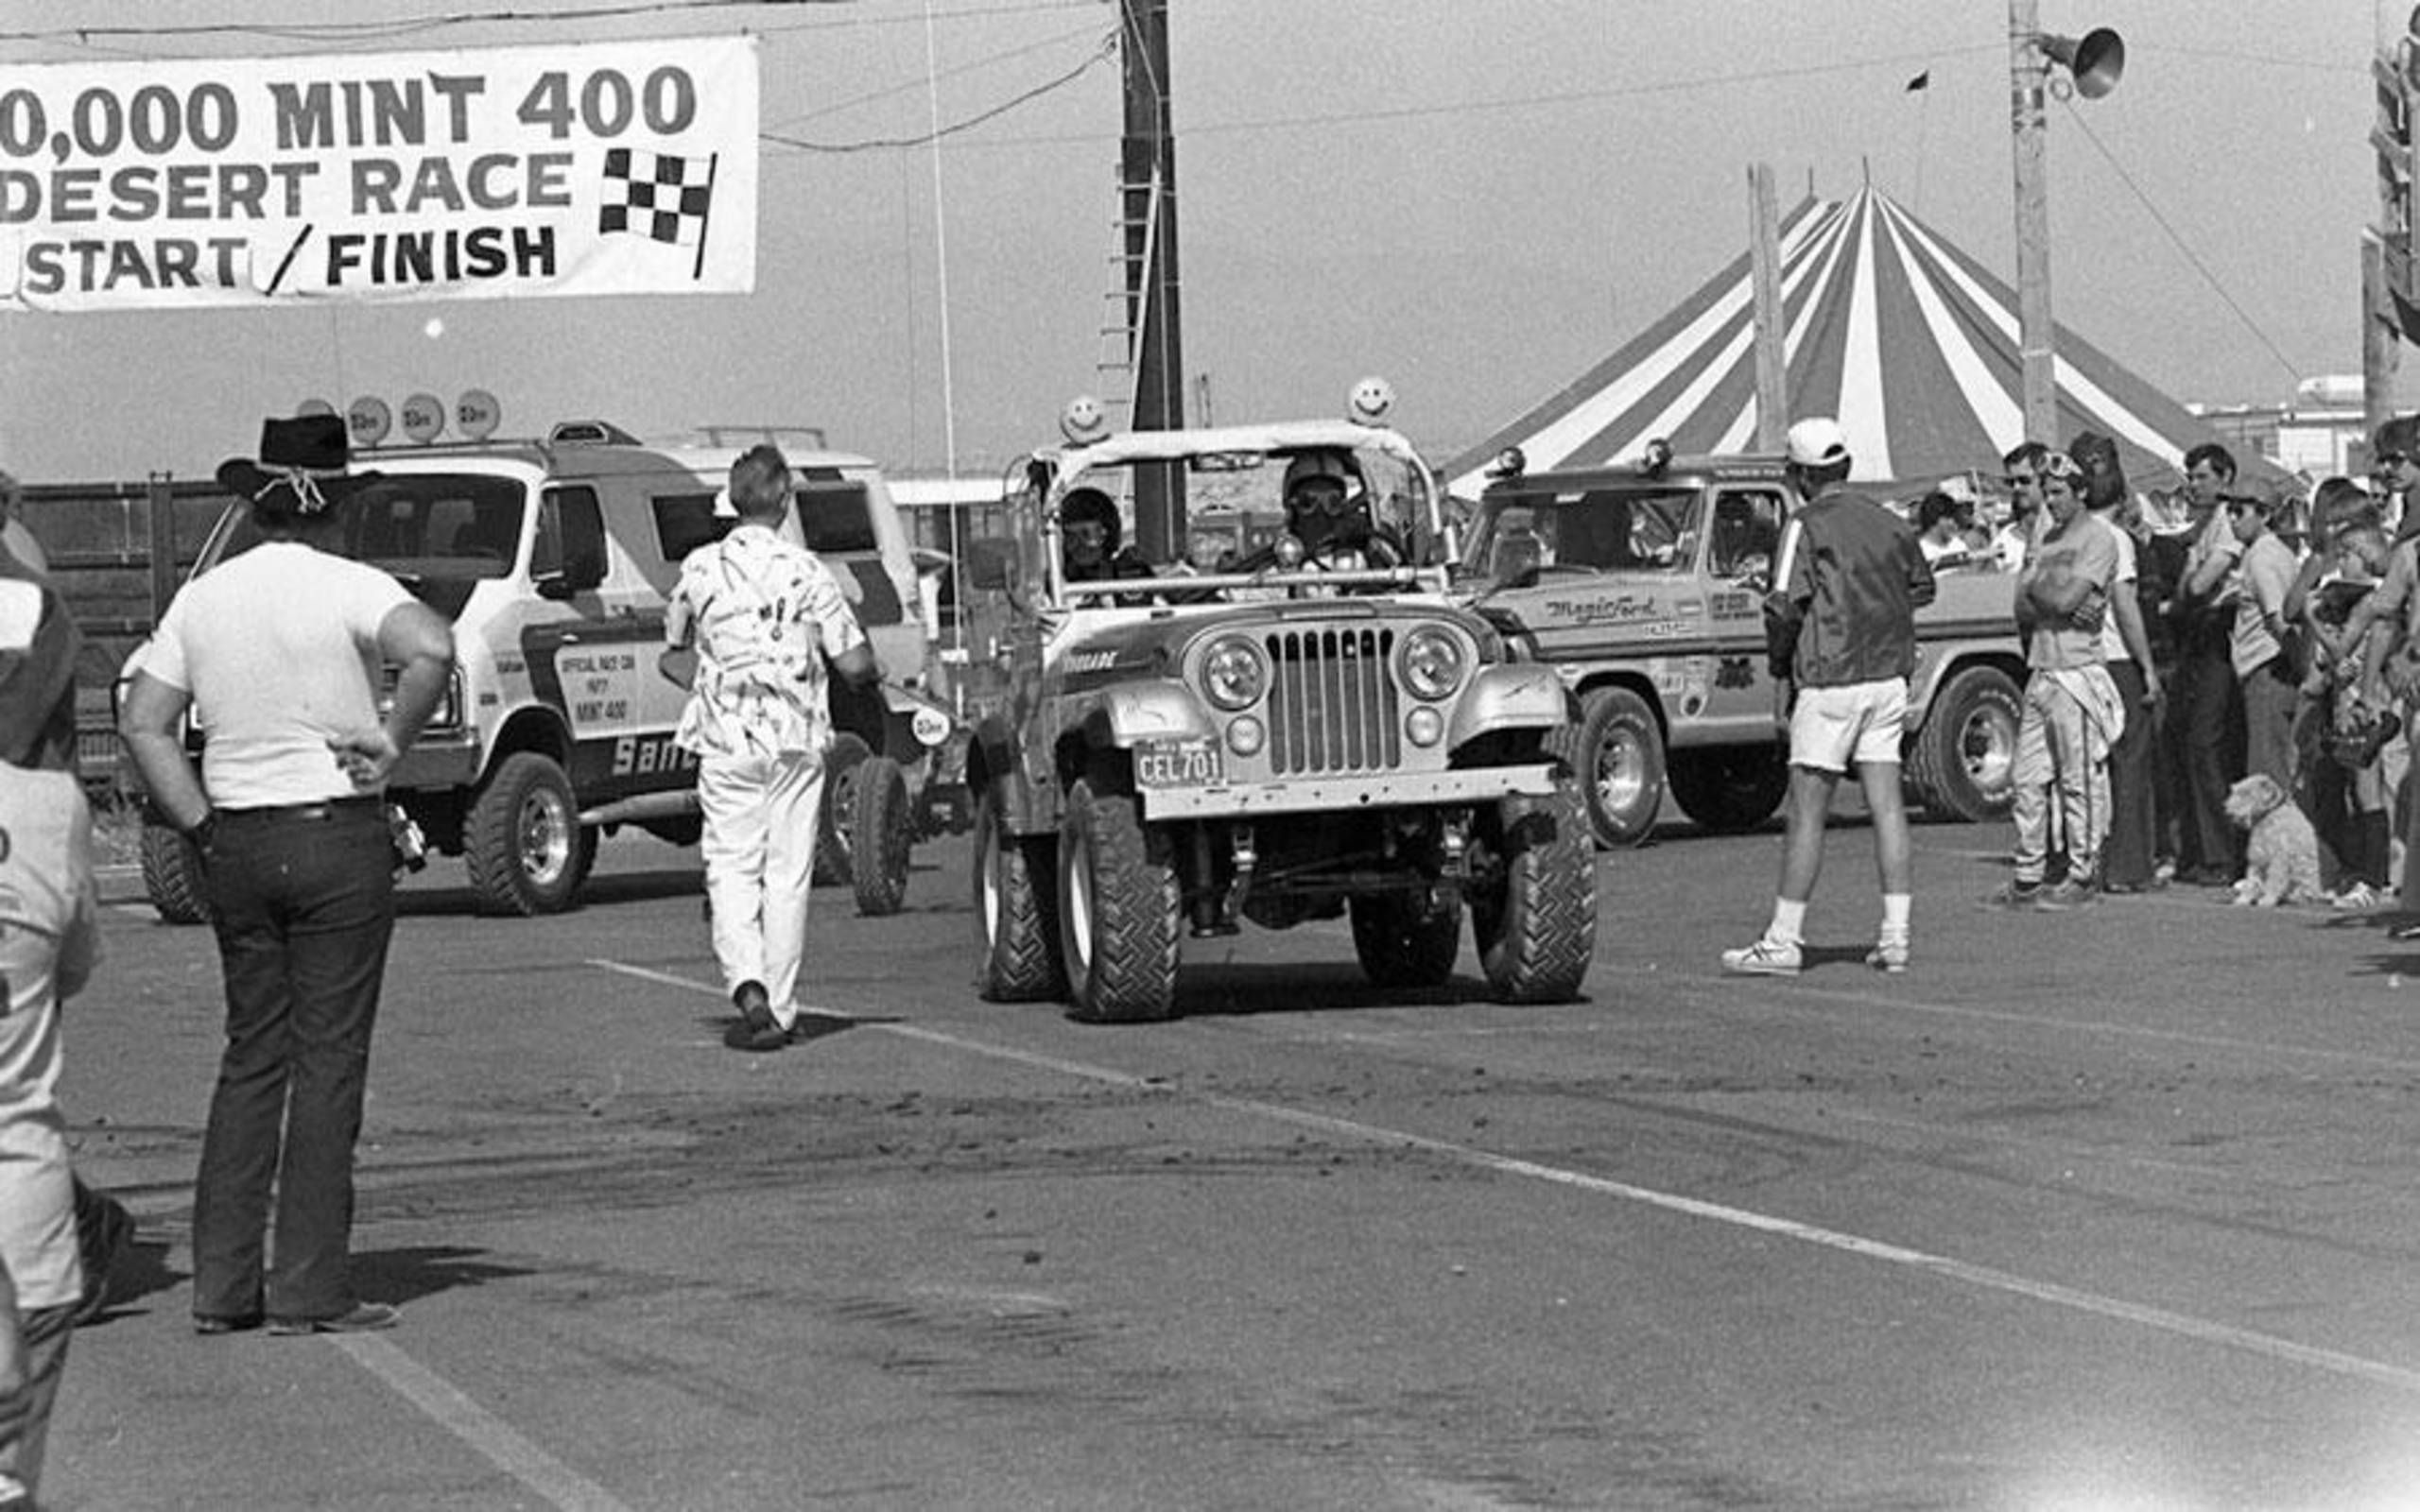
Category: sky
<point>1475,199</point>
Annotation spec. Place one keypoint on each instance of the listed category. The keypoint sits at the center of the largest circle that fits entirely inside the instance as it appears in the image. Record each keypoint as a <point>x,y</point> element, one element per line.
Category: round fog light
<point>1424,725</point>
<point>1246,736</point>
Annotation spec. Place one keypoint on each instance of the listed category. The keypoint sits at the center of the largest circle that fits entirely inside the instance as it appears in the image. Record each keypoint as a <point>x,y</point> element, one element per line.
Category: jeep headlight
<point>1234,674</point>
<point>1431,662</point>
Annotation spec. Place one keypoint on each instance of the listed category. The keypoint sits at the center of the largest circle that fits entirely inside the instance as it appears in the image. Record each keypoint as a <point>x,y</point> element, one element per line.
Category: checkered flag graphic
<point>658,195</point>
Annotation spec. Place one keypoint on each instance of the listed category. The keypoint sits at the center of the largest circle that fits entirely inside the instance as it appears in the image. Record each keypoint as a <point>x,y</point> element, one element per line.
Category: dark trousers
<point>2271,696</point>
<point>2168,791</point>
<point>304,907</point>
<point>2126,857</point>
<point>2209,731</point>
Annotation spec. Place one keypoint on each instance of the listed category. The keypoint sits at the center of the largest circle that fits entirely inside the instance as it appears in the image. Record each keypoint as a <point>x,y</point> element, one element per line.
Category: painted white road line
<point>544,1474</point>
<point>2181,1324</point>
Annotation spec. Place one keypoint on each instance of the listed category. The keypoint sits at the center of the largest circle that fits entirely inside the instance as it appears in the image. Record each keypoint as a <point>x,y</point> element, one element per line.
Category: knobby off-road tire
<point>173,877</point>
<point>1533,898</point>
<point>881,837</point>
<point>1730,789</point>
<point>1406,938</point>
<point>525,846</point>
<point>1960,761</point>
<point>1119,910</point>
<point>1014,912</point>
<point>833,861</point>
<point>1616,750</point>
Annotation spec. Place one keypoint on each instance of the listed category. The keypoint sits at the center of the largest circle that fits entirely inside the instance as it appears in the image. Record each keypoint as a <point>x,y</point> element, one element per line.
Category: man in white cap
<point>1841,630</point>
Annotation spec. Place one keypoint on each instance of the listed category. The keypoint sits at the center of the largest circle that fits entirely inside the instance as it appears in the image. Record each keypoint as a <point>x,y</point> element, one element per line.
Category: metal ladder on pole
<point>1117,368</point>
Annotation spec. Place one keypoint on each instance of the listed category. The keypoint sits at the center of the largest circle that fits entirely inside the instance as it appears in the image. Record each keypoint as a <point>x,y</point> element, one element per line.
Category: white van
<point>553,559</point>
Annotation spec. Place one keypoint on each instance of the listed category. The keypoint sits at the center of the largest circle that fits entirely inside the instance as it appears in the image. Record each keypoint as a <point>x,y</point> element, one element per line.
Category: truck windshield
<point>439,533</point>
<point>1597,530</point>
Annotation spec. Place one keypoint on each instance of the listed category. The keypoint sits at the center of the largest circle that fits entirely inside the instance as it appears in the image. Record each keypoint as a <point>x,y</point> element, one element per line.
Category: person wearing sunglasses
<point>2023,475</point>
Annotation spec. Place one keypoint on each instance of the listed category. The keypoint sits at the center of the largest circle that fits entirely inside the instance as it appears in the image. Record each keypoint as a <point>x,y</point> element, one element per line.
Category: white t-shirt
<point>279,648</point>
<point>48,941</point>
<point>2113,645</point>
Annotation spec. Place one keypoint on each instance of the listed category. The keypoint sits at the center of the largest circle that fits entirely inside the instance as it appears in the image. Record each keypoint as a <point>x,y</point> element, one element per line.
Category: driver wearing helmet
<point>1330,518</point>
<point>1088,540</point>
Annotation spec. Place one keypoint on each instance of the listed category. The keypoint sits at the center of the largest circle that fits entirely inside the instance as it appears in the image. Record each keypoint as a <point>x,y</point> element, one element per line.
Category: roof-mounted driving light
<point>1372,399</point>
<point>1657,458</point>
<point>1083,422</point>
<point>1509,463</point>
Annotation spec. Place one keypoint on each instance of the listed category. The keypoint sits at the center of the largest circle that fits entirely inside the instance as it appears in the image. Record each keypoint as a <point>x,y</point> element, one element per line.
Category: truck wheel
<point>1732,789</point>
<point>173,877</point>
<point>832,839</point>
<point>527,851</point>
<point>1961,759</point>
<point>879,835</point>
<point>1020,925</point>
<point>1533,898</point>
<point>1118,911</point>
<point>1616,750</point>
<point>1406,938</point>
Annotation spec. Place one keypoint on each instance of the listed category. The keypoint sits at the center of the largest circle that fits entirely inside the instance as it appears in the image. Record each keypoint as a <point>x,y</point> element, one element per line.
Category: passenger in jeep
<point>1089,532</point>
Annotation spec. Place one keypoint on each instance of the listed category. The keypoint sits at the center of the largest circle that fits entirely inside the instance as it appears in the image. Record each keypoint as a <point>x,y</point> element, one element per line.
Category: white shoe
<point>2359,898</point>
<point>1766,957</point>
<point>1889,956</point>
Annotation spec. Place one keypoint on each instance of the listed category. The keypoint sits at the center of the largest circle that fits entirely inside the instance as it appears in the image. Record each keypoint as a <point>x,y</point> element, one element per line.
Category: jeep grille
<point>1332,703</point>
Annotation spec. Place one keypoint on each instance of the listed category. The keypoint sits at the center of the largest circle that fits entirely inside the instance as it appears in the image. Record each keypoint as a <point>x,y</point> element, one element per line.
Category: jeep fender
<point>1519,695</point>
<point>1115,718</point>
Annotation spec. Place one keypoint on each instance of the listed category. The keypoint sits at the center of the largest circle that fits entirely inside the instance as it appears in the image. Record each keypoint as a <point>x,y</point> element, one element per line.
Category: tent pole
<point>2029,71</point>
<point>1764,260</point>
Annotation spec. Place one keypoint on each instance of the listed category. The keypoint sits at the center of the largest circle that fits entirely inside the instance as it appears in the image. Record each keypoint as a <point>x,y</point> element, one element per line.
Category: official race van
<point>553,559</point>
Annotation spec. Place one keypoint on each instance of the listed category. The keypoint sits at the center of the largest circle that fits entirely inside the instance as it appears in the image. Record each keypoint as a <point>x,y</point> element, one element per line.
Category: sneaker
<point>2066,894</point>
<point>364,1318</point>
<point>1766,957</point>
<point>1889,955</point>
<point>2358,899</point>
<point>2018,897</point>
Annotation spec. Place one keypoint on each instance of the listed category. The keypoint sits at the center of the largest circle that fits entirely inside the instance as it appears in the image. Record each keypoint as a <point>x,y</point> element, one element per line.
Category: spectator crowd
<point>2178,644</point>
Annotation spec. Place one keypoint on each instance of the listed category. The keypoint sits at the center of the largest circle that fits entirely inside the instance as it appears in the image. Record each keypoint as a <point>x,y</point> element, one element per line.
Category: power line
<point>1107,49</point>
<point>2178,241</point>
<point>987,60</point>
<point>403,25</point>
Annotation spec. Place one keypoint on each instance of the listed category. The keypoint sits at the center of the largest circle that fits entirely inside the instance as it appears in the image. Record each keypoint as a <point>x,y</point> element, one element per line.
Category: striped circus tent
<point>1904,338</point>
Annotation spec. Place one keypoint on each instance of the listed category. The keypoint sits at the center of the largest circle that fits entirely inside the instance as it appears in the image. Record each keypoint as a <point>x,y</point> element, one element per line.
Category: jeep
<point>1643,585</point>
<point>1266,739</point>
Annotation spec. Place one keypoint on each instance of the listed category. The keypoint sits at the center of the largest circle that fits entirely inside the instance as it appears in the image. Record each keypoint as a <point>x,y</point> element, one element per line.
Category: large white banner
<point>611,168</point>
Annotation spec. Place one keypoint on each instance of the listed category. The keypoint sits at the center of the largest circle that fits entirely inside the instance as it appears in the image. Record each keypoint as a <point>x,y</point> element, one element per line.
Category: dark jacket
<point>1846,586</point>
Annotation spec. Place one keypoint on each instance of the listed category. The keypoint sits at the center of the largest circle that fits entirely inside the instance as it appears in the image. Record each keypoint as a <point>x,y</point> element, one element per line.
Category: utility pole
<point>1148,176</point>
<point>2093,65</point>
<point>2029,73</point>
<point>1764,265</point>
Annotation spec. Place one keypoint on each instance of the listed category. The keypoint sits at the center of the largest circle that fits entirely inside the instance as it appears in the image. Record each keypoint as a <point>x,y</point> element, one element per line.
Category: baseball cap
<point>1817,441</point>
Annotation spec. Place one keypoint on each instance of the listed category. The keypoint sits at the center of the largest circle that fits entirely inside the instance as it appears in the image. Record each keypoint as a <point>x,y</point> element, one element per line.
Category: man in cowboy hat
<point>276,651</point>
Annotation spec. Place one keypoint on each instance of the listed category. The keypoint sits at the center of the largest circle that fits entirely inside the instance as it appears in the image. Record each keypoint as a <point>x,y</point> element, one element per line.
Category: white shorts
<point>1861,722</point>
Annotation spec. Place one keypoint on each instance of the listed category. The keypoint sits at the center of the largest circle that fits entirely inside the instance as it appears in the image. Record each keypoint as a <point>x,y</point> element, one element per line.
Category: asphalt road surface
<point>2113,1209</point>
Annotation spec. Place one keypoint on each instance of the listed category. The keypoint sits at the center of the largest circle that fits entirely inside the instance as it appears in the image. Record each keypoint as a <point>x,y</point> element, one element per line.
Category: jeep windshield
<point>439,533</point>
<point>1647,528</point>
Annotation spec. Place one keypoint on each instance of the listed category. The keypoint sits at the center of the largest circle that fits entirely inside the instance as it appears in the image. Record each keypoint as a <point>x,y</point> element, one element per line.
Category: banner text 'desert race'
<point>610,168</point>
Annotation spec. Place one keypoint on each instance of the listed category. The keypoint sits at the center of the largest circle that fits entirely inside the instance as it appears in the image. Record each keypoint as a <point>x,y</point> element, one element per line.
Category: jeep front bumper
<point>1311,795</point>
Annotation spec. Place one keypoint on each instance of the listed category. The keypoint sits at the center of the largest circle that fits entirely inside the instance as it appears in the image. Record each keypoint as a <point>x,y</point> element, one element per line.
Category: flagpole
<point>698,268</point>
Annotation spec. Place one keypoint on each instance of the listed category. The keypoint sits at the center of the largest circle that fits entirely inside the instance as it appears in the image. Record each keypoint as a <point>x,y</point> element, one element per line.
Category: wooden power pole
<point>1764,265</point>
<point>1147,177</point>
<point>2029,73</point>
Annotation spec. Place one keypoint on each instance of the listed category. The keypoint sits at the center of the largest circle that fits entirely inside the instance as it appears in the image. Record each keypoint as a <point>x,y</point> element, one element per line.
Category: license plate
<point>1178,764</point>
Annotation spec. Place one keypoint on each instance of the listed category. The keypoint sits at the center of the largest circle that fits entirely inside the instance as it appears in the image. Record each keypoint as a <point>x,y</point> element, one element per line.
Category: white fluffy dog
<point>2281,858</point>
